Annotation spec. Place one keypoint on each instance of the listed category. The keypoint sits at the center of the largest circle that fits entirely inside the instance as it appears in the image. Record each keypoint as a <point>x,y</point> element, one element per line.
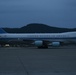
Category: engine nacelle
<point>38,43</point>
<point>55,43</point>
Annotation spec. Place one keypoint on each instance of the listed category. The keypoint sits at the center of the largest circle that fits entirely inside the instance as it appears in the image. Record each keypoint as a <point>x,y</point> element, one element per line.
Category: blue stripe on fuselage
<point>73,38</point>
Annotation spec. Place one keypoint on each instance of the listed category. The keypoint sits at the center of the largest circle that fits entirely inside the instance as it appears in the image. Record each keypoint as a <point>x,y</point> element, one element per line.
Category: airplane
<point>41,40</point>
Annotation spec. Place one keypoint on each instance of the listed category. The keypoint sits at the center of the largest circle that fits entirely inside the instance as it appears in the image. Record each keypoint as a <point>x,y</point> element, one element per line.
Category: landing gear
<point>43,47</point>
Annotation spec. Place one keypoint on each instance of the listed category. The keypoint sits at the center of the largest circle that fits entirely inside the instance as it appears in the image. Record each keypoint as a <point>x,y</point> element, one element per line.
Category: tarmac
<point>33,61</point>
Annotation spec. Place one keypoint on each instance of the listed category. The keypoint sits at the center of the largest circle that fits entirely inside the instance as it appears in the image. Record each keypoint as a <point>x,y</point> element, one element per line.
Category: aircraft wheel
<point>43,47</point>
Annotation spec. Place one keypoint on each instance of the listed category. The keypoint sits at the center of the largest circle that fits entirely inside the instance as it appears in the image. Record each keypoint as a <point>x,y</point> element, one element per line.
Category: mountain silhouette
<point>38,28</point>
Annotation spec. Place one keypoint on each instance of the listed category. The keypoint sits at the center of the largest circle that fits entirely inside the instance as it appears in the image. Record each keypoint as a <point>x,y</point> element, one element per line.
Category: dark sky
<point>18,13</point>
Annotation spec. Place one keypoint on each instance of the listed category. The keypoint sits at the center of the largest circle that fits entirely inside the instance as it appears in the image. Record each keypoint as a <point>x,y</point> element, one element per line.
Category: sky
<point>57,13</point>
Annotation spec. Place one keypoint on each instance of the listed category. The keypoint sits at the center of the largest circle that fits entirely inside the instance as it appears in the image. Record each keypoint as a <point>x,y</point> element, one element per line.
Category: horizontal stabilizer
<point>2,31</point>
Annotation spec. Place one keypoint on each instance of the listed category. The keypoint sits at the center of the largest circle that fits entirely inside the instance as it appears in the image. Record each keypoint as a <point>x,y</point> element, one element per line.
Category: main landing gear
<point>43,47</point>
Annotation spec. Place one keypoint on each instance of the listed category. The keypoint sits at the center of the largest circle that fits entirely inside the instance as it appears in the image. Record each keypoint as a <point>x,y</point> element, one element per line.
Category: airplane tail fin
<point>2,31</point>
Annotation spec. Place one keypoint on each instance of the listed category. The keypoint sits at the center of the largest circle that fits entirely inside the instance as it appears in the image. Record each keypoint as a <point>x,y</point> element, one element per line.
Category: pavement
<point>33,61</point>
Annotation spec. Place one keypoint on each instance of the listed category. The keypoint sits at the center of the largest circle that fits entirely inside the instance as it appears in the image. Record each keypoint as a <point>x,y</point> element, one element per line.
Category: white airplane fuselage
<point>39,35</point>
<point>38,38</point>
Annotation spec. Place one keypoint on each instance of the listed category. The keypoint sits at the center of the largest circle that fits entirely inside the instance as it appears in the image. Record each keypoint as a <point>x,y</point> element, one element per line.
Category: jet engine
<point>55,44</point>
<point>41,44</point>
<point>38,43</point>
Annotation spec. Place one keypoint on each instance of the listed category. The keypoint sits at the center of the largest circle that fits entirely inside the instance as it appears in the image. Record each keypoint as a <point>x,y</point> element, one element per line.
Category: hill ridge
<point>38,28</point>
